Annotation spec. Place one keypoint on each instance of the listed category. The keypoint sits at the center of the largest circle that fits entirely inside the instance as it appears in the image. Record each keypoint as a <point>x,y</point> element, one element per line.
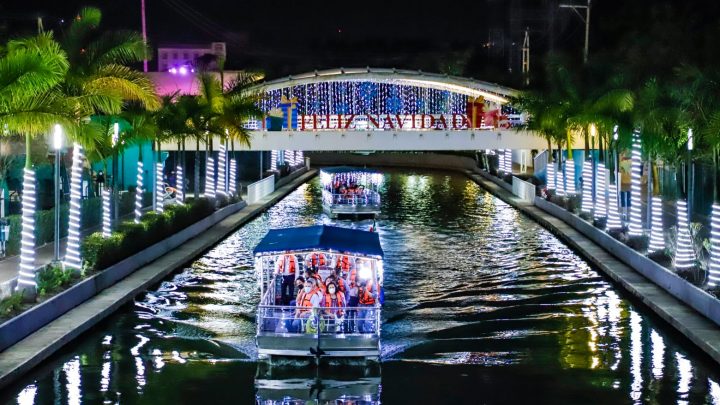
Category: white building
<point>184,55</point>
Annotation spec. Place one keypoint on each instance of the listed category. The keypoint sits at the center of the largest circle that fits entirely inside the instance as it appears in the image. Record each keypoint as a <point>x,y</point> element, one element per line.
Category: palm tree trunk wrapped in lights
<point>72,252</point>
<point>613,219</point>
<point>570,177</point>
<point>221,187</point>
<point>106,224</point>
<point>159,188</point>
<point>508,161</point>
<point>560,179</point>
<point>685,252</point>
<point>26,275</point>
<point>657,237</point>
<point>233,177</point>
<point>714,268</point>
<point>635,227</point>
<point>587,186</point>
<point>501,161</point>
<point>288,155</point>
<point>274,160</point>
<point>550,169</point>
<point>210,178</point>
<point>601,191</point>
<point>139,191</point>
<point>179,185</point>
<point>301,157</point>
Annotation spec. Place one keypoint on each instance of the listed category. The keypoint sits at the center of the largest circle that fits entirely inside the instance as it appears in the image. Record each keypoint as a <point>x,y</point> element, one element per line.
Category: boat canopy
<point>347,169</point>
<point>321,237</point>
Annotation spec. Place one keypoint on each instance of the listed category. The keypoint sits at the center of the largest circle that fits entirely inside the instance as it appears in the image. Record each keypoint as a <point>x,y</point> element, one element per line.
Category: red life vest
<point>317,259</point>
<point>319,281</point>
<point>365,298</point>
<point>344,263</point>
<point>292,264</point>
<point>304,300</point>
<point>340,299</point>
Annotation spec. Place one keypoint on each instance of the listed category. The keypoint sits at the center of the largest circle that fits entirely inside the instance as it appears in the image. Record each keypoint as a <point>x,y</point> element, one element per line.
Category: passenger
<point>337,278</point>
<point>299,284</point>
<point>287,266</point>
<point>352,304</point>
<point>335,300</point>
<point>309,298</point>
<point>313,274</point>
<point>366,299</point>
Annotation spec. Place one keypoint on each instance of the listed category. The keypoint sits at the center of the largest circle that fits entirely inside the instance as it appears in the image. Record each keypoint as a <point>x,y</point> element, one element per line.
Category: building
<point>177,56</point>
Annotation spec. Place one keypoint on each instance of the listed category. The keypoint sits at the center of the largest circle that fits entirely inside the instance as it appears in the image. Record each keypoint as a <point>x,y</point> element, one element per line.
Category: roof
<point>321,237</point>
<point>346,169</point>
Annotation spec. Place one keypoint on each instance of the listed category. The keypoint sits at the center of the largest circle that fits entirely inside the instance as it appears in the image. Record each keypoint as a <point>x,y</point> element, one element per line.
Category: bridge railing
<point>540,162</point>
<point>260,189</point>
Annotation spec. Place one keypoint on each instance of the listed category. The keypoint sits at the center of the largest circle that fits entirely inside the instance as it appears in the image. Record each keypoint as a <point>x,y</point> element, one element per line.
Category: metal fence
<point>363,320</point>
<point>369,198</point>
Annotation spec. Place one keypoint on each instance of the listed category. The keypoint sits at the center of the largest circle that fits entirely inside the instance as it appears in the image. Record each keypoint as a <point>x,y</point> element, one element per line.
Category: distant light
<point>57,137</point>
<point>173,70</point>
<point>183,70</point>
<point>116,133</point>
<point>635,227</point>
<point>690,139</point>
<point>615,132</point>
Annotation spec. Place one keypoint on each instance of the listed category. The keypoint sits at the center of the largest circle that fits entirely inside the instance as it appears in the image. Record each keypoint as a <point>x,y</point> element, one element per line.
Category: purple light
<point>183,70</point>
<point>172,70</point>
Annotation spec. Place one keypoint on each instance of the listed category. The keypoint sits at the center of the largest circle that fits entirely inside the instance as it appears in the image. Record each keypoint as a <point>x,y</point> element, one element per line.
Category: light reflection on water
<point>482,305</point>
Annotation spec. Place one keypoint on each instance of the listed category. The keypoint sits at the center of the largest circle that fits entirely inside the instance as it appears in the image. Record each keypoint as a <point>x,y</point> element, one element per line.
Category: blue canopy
<point>321,237</point>
<point>347,169</point>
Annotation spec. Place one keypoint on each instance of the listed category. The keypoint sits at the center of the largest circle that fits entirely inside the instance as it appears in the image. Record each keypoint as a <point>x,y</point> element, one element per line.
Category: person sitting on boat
<point>286,265</point>
<point>310,297</point>
<point>336,277</point>
<point>335,300</point>
<point>316,260</point>
<point>314,275</point>
<point>366,299</point>
<point>299,284</point>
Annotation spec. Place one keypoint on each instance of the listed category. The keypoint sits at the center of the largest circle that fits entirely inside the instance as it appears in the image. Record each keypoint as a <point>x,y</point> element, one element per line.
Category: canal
<point>482,306</point>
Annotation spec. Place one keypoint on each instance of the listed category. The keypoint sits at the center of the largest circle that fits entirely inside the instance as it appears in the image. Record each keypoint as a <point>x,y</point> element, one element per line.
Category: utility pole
<point>526,57</point>
<point>586,20</point>
<point>144,34</point>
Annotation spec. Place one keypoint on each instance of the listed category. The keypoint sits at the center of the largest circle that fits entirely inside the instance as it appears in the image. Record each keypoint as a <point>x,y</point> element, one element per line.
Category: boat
<point>350,190</point>
<point>287,330</point>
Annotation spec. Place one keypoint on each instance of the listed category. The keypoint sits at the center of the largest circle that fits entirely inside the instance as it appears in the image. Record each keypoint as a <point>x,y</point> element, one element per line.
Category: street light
<point>57,146</point>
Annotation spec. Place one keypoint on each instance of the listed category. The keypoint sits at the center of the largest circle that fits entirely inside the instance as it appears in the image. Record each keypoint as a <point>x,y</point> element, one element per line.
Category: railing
<point>323,320</point>
<point>260,189</point>
<point>540,162</point>
<point>369,198</point>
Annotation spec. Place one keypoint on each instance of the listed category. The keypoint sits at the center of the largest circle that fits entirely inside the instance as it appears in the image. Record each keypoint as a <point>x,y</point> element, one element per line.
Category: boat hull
<point>305,345</point>
<point>336,210</point>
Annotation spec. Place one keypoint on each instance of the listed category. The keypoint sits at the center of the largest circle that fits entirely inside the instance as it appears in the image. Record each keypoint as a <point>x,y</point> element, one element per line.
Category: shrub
<point>573,203</point>
<point>638,242</point>
<point>600,223</point>
<point>11,305</point>
<point>661,257</point>
<point>586,216</point>
<point>52,279</point>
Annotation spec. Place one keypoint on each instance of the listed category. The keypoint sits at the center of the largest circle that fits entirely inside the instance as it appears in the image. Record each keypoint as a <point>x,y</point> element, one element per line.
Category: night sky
<point>284,37</point>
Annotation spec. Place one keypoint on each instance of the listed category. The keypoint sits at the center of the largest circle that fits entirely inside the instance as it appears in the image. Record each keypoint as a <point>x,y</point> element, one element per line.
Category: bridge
<point>377,109</point>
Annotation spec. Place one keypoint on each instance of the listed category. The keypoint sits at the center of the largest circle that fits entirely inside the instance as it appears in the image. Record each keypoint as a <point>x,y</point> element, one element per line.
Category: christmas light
<point>273,160</point>
<point>179,185</point>
<point>685,253</point>
<point>635,227</point>
<point>550,168</point>
<point>613,218</point>
<point>106,223</point>
<point>560,180</point>
<point>587,186</point>
<point>159,188</point>
<point>138,192</point>
<point>501,161</point>
<point>210,178</point>
<point>301,157</point>
<point>570,177</point>
<point>601,190</point>
<point>714,268</point>
<point>288,157</point>
<point>72,251</point>
<point>657,239</point>
<point>221,186</point>
<point>233,177</point>
<point>508,161</point>
<point>26,274</point>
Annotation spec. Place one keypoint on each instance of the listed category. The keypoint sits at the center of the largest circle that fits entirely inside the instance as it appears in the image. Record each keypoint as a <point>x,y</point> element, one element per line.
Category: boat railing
<point>363,320</point>
<point>367,198</point>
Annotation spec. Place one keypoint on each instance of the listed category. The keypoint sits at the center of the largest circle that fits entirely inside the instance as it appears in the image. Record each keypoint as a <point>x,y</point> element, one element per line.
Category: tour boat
<point>350,191</point>
<point>319,330</point>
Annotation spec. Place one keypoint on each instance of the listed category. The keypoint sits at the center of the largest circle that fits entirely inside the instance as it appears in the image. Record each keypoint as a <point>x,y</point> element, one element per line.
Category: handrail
<point>370,198</point>
<point>260,189</point>
<point>361,320</point>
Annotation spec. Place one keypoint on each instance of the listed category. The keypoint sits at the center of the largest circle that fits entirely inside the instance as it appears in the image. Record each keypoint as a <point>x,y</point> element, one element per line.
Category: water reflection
<point>482,305</point>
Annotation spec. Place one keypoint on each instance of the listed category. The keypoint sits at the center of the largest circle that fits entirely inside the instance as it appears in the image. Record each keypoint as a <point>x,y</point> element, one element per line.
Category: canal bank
<point>29,352</point>
<point>701,331</point>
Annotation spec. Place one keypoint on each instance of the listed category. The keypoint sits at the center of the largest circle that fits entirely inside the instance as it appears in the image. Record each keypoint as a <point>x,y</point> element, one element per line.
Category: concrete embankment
<point>697,328</point>
<point>33,349</point>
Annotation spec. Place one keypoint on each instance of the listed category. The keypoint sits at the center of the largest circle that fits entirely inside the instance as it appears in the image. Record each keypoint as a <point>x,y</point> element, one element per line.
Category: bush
<point>52,279</point>
<point>661,257</point>
<point>11,305</point>
<point>600,223</point>
<point>638,242</point>
<point>130,238</point>
<point>573,203</point>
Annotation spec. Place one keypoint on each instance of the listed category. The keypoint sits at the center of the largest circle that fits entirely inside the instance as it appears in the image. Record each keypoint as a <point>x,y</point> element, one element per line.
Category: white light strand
<point>560,180</point>
<point>221,186</point>
<point>501,161</point>
<point>301,157</point>
<point>685,253</point>
<point>714,270</point>
<point>635,227</point>
<point>601,191</point>
<point>26,274</point>
<point>288,157</point>
<point>587,200</point>
<point>508,161</point>
<point>657,238</point>
<point>233,177</point>
<point>210,178</point>
<point>273,160</point>
<point>106,224</point>
<point>570,177</point>
<point>613,219</point>
<point>72,252</point>
<point>138,192</point>
<point>159,188</point>
<point>179,185</point>
<point>550,170</point>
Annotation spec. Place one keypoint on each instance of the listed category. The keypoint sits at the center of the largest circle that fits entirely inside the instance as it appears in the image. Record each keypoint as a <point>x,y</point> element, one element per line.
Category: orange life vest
<point>365,298</point>
<point>340,299</point>
<point>292,264</point>
<point>317,259</point>
<point>305,301</point>
<point>344,263</point>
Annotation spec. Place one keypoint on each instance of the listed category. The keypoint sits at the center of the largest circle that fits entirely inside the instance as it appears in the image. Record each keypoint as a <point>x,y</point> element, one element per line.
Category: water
<point>482,306</point>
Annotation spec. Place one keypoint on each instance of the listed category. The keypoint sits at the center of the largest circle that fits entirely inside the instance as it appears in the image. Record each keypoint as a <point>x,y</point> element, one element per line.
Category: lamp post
<point>57,146</point>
